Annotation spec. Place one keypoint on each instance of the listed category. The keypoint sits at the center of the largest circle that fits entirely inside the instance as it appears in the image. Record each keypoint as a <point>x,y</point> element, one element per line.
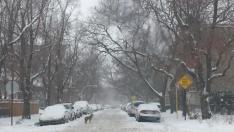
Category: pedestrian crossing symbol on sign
<point>185,81</point>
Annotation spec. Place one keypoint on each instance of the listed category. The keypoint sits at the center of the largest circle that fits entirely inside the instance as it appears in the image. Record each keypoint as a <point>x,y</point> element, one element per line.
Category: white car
<point>54,114</point>
<point>156,103</point>
<point>148,112</point>
<point>82,106</point>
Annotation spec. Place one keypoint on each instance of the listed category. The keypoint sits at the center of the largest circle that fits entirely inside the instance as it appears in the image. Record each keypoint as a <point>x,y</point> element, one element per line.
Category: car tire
<point>138,119</point>
<point>64,120</point>
<point>131,115</point>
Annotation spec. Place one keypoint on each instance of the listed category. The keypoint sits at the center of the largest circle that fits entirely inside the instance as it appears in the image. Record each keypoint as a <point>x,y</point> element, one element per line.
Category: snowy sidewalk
<point>29,125</point>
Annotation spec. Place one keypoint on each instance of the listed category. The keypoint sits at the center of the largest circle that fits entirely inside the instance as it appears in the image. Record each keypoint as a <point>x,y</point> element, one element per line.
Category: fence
<point>5,107</point>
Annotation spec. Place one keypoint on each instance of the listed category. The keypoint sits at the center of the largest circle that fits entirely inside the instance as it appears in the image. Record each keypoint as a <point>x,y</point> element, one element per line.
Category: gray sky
<point>109,95</point>
<point>86,7</point>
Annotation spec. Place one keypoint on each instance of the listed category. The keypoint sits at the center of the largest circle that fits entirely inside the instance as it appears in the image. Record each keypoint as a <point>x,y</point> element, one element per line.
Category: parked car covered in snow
<point>132,108</point>
<point>93,107</point>
<point>148,112</point>
<point>125,107</point>
<point>82,106</point>
<point>54,114</point>
<point>107,107</point>
<point>100,107</point>
<point>71,110</point>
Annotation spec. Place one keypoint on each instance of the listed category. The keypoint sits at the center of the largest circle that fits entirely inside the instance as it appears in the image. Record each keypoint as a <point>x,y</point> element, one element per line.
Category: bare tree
<point>195,27</point>
<point>131,47</point>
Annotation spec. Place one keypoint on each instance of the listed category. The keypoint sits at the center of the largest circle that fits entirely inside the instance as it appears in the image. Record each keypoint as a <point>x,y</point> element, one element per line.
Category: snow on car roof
<point>53,112</point>
<point>81,103</point>
<point>138,101</point>
<point>148,107</point>
<point>53,108</point>
<point>155,103</point>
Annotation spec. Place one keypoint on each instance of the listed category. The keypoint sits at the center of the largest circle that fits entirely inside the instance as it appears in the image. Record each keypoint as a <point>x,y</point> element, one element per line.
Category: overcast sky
<point>86,7</point>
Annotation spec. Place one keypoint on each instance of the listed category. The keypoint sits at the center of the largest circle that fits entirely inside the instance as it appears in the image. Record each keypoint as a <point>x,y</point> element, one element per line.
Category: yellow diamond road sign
<point>185,81</point>
<point>133,98</point>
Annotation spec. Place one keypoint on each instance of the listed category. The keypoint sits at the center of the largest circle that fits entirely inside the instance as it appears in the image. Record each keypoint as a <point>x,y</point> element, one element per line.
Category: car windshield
<point>67,106</point>
<point>138,103</point>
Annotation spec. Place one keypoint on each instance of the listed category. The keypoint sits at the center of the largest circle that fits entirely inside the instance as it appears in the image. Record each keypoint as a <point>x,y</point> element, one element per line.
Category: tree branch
<point>218,75</point>
<point>171,76</point>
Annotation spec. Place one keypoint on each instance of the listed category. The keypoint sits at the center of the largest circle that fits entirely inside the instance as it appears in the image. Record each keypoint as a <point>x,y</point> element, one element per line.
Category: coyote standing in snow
<point>88,118</point>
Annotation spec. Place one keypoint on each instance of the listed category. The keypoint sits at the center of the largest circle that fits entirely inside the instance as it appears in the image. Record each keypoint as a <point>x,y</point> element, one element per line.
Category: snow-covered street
<point>116,120</point>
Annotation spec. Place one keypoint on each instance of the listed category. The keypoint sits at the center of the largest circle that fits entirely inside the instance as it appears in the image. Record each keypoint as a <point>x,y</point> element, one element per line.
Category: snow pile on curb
<point>170,123</point>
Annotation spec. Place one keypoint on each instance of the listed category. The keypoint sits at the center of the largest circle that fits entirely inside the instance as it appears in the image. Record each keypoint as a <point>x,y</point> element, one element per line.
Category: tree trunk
<point>48,100</point>
<point>5,82</point>
<point>49,84</point>
<point>205,93</point>
<point>163,99</point>
<point>162,103</point>
<point>25,83</point>
<point>172,99</point>
<point>26,106</point>
<point>205,107</point>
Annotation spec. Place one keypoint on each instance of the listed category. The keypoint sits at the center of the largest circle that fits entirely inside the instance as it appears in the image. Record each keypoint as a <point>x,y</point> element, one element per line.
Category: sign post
<point>12,90</point>
<point>177,105</point>
<point>12,98</point>
<point>133,98</point>
<point>185,82</point>
<point>184,104</point>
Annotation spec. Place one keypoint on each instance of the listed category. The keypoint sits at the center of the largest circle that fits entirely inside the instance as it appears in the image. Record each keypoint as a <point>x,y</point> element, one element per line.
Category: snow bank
<point>170,123</point>
<point>119,120</point>
<point>29,125</point>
